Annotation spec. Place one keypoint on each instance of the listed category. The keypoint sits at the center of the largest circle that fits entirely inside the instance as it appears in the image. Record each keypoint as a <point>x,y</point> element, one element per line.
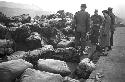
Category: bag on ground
<point>84,68</point>
<point>10,70</point>
<point>54,66</point>
<point>33,56</point>
<point>34,41</point>
<point>16,55</point>
<point>32,75</point>
<point>67,54</point>
<point>65,43</point>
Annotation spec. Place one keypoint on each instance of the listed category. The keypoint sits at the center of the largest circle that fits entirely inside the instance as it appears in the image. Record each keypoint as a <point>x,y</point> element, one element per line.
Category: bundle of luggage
<point>69,54</point>
<point>84,69</point>
<point>6,47</point>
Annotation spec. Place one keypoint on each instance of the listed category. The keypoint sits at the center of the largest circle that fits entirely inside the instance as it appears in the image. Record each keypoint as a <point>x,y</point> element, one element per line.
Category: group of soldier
<point>99,28</point>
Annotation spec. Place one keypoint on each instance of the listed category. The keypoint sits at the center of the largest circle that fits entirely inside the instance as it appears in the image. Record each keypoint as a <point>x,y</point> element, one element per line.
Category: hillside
<point>14,9</point>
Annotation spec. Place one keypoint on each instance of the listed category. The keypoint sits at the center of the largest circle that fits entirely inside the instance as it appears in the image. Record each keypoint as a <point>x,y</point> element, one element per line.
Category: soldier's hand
<point>101,26</point>
<point>88,33</point>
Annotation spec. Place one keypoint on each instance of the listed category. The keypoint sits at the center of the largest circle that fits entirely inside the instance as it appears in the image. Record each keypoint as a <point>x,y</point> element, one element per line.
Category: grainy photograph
<point>62,41</point>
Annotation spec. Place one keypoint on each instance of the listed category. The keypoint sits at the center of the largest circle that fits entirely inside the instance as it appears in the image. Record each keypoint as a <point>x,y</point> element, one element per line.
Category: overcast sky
<point>74,5</point>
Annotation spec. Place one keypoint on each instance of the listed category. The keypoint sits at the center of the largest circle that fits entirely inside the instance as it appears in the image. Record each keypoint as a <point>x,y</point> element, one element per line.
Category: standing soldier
<point>81,24</point>
<point>96,23</point>
<point>112,16</point>
<point>106,31</point>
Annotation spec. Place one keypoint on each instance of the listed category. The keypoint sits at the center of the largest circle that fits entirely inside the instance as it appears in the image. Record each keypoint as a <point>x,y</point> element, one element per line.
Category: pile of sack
<point>48,70</point>
<point>6,47</point>
<point>69,54</point>
<point>34,41</point>
<point>43,54</point>
<point>3,31</point>
<point>21,33</point>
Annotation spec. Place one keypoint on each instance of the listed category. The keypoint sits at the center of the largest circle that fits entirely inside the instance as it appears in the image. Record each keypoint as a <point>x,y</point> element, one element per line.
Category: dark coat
<point>112,16</point>
<point>96,19</point>
<point>106,31</point>
<point>82,21</point>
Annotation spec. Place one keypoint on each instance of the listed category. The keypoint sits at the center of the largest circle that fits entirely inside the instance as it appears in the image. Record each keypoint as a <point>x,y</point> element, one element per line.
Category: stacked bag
<point>67,54</point>
<point>16,55</point>
<point>5,47</point>
<point>54,66</point>
<point>21,33</point>
<point>32,75</point>
<point>3,31</point>
<point>34,41</point>
<point>11,70</point>
<point>65,43</point>
<point>33,56</point>
<point>84,69</point>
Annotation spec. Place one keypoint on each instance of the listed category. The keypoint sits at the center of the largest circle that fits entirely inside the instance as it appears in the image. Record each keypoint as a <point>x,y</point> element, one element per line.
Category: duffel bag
<point>54,66</point>
<point>10,70</point>
<point>32,75</point>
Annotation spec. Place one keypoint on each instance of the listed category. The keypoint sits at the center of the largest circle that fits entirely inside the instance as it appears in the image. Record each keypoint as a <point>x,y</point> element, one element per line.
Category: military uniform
<point>112,16</point>
<point>82,22</point>
<point>96,23</point>
<point>106,31</point>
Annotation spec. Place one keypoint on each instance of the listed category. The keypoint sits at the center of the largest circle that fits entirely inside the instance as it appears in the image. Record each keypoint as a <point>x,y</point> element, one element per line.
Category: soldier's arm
<point>74,22</point>
<point>92,17</point>
<point>88,22</point>
<point>101,20</point>
<point>113,22</point>
<point>91,20</point>
<point>113,18</point>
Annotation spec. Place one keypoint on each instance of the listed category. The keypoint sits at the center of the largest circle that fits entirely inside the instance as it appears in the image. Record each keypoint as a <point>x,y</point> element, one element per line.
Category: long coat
<point>82,21</point>
<point>105,32</point>
<point>82,24</point>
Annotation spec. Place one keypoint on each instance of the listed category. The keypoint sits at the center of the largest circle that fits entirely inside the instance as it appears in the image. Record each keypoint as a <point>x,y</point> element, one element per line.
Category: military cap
<point>83,5</point>
<point>104,11</point>
<point>96,10</point>
<point>110,8</point>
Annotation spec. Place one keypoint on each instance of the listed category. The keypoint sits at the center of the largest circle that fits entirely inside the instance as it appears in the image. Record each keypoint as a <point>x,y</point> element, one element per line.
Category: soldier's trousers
<point>95,34</point>
<point>80,39</point>
<point>111,39</point>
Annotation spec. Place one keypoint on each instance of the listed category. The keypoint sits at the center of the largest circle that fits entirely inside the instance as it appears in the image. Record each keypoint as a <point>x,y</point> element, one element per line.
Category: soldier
<point>81,24</point>
<point>106,31</point>
<point>96,23</point>
<point>112,16</point>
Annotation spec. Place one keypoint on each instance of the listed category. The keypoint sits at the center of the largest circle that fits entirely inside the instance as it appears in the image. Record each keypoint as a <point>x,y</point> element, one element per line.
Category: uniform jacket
<point>96,19</point>
<point>106,31</point>
<point>82,21</point>
<point>112,16</point>
<point>107,24</point>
